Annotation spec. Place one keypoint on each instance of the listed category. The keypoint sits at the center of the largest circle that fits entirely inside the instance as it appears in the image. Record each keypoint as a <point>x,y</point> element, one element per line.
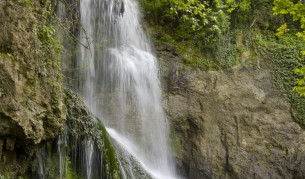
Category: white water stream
<point>119,82</point>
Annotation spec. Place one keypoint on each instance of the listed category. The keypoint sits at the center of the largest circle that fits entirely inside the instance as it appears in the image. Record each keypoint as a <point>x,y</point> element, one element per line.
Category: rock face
<point>26,110</point>
<point>83,150</point>
<point>231,124</point>
<point>31,108</point>
<point>30,90</point>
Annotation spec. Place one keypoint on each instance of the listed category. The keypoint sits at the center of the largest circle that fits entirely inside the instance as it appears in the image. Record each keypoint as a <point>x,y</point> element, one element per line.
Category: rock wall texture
<point>67,155</point>
<point>231,124</point>
<point>31,105</point>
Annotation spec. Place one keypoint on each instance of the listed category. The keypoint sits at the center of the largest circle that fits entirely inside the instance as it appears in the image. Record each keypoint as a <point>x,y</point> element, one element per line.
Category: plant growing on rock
<point>296,11</point>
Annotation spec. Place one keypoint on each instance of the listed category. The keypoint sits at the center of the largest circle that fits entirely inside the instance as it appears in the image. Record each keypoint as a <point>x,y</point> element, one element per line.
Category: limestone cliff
<point>233,124</point>
<point>31,108</point>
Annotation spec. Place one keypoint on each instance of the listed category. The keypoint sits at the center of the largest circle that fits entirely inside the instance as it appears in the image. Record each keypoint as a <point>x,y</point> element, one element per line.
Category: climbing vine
<point>296,11</point>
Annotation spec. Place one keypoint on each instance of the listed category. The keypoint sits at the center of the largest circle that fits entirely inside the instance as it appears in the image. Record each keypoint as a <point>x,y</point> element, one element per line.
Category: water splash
<point>133,151</point>
<point>119,81</point>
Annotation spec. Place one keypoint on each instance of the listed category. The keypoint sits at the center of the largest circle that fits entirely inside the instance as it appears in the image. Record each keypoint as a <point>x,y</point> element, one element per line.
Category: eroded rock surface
<point>31,102</point>
<point>231,124</point>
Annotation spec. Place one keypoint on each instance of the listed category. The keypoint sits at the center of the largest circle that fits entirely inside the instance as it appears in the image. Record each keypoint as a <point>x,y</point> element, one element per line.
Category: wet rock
<point>10,144</point>
<point>1,148</point>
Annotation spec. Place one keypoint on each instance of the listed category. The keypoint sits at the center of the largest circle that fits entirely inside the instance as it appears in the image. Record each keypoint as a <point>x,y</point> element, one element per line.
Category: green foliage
<point>203,33</point>
<point>50,43</point>
<point>285,56</point>
<point>281,30</point>
<point>300,82</point>
<point>46,31</point>
<point>46,34</point>
<point>297,12</point>
<point>294,10</point>
<point>49,52</point>
<point>198,15</point>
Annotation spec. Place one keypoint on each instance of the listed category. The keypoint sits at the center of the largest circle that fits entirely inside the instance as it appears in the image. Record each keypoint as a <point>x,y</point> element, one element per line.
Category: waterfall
<point>119,82</point>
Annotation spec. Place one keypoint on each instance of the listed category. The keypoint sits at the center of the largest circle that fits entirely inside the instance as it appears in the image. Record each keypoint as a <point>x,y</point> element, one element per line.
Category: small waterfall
<point>61,150</point>
<point>119,82</point>
<point>88,157</point>
<point>41,171</point>
<point>73,158</point>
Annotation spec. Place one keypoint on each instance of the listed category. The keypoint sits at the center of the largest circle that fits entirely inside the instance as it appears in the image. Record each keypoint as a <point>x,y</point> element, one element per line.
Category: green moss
<point>27,2</point>
<point>81,124</point>
<point>176,145</point>
<point>69,172</point>
<point>50,162</point>
<point>109,153</point>
<point>7,176</point>
<point>7,56</point>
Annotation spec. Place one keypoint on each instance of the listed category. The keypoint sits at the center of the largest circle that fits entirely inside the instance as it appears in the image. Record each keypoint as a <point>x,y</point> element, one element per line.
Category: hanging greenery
<point>297,12</point>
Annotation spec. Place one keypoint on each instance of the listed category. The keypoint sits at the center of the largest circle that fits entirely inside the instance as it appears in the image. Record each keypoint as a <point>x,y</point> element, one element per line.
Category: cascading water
<point>119,81</point>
